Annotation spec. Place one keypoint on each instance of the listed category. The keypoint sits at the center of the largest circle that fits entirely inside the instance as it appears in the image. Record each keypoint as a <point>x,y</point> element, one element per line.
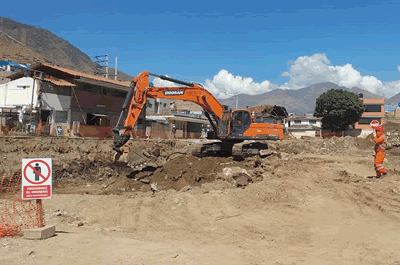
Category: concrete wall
<point>56,102</point>
<point>95,131</point>
<point>158,106</point>
<point>300,133</point>
<point>19,92</point>
<point>94,101</point>
<point>304,122</point>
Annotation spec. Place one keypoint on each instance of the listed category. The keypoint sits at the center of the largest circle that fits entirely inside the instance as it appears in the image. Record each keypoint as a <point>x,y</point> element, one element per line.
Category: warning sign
<point>36,178</point>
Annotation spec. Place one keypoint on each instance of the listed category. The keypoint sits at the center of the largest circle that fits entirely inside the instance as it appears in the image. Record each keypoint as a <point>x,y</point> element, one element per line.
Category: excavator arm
<point>141,90</point>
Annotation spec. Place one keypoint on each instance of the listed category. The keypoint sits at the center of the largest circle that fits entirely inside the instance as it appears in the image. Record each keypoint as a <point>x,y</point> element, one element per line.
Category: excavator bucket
<point>132,156</point>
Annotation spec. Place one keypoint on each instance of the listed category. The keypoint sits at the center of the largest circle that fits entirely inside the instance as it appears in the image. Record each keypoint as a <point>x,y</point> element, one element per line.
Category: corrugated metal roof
<point>43,66</point>
<point>58,82</point>
<point>89,76</point>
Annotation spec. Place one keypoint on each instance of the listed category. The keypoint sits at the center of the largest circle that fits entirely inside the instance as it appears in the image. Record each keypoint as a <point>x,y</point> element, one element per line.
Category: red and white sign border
<point>44,184</point>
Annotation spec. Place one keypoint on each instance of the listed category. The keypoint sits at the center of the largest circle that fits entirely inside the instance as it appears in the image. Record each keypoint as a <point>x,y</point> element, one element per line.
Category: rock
<point>186,188</point>
<point>258,171</point>
<point>80,223</point>
<point>153,187</point>
<point>265,153</point>
<point>237,176</point>
<point>284,156</point>
<point>145,181</point>
<point>242,181</point>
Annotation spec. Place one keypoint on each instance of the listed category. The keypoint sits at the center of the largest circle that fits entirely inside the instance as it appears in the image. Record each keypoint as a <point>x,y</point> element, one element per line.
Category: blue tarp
<point>4,63</point>
<point>389,108</point>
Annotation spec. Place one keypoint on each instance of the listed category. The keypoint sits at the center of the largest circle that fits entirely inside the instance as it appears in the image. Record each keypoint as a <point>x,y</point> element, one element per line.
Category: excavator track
<point>198,149</point>
<point>212,148</point>
<point>238,151</point>
<point>247,149</point>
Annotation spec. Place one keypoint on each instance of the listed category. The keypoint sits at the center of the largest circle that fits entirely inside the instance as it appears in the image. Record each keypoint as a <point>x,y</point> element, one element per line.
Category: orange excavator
<point>235,132</point>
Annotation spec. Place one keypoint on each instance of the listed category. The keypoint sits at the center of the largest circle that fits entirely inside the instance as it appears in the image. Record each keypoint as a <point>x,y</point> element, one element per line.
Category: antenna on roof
<point>101,64</point>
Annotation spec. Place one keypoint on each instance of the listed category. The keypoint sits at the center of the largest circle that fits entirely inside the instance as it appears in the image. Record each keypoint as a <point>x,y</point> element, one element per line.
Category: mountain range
<point>26,44</point>
<point>299,101</point>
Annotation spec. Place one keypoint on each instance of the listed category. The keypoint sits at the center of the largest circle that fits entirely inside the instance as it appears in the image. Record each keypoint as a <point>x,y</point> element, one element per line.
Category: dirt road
<point>310,202</point>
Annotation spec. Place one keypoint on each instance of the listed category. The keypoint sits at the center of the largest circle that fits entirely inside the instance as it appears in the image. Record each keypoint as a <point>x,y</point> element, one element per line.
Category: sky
<point>234,47</point>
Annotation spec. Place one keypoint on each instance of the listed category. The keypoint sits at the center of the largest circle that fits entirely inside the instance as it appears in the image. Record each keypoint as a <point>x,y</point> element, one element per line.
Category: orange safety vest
<point>380,142</point>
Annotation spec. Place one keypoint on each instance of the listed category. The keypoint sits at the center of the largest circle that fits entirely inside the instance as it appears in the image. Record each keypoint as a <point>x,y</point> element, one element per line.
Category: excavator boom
<point>141,90</point>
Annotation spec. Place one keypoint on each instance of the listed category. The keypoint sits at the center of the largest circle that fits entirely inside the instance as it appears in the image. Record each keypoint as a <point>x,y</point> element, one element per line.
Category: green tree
<point>339,109</point>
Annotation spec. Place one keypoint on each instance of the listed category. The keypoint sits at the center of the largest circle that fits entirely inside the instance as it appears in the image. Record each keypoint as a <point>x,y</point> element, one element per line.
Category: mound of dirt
<point>86,166</point>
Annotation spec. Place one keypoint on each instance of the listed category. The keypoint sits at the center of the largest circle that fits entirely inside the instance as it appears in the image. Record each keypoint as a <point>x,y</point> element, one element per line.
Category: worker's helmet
<point>378,128</point>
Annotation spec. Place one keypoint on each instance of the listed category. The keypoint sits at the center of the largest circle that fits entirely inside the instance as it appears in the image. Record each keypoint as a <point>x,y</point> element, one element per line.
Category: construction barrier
<point>16,214</point>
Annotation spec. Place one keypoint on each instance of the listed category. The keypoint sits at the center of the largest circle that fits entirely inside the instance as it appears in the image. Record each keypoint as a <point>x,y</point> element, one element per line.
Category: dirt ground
<point>311,201</point>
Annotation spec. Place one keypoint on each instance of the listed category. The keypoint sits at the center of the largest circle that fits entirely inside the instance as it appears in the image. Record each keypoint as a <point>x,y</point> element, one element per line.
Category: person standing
<point>380,142</point>
<point>173,131</point>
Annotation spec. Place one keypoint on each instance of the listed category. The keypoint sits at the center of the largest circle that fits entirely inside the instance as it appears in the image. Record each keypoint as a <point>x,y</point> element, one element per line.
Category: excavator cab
<point>234,123</point>
<point>240,122</point>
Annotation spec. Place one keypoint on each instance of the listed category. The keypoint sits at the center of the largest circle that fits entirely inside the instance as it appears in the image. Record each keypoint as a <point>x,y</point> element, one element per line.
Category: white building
<point>307,125</point>
<point>308,119</point>
<point>158,106</point>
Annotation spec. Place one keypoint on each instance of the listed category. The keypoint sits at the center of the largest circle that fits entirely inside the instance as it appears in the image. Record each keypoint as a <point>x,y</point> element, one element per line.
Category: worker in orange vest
<point>380,142</point>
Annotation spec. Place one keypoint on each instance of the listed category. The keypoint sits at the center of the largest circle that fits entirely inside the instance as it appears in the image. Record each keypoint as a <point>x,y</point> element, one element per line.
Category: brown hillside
<point>27,44</point>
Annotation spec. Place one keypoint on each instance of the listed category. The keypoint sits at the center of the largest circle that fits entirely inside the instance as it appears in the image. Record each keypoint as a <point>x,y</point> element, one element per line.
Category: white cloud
<point>398,68</point>
<point>316,69</point>
<point>392,88</point>
<point>225,85</point>
<point>303,71</point>
<point>158,82</point>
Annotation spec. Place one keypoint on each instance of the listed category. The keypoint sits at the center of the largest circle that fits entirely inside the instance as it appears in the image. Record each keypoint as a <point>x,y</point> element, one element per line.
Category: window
<point>121,94</point>
<point>297,121</point>
<point>165,105</point>
<point>87,88</point>
<point>374,108</point>
<point>313,122</point>
<point>368,120</point>
<point>269,120</point>
<point>98,119</point>
<point>115,93</point>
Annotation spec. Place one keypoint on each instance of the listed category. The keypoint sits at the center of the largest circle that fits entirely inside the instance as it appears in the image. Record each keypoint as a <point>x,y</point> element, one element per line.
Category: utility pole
<point>116,66</point>
<point>106,65</point>
<point>237,100</point>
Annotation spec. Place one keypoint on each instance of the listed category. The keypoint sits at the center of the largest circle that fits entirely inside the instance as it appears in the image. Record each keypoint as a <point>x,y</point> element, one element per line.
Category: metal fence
<point>16,214</point>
